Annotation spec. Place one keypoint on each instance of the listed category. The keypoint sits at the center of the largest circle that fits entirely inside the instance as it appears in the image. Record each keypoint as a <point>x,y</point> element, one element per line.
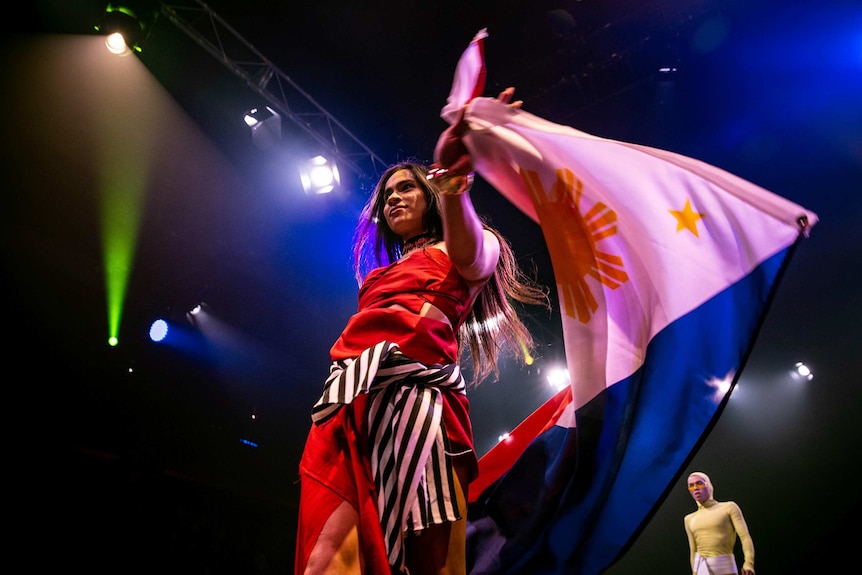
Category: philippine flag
<point>665,267</point>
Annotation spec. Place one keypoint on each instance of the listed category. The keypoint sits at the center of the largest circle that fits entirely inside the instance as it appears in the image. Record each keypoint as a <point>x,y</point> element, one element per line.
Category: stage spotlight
<point>116,43</point>
<point>125,28</point>
<point>196,311</point>
<point>558,378</point>
<point>802,371</point>
<point>158,330</point>
<point>319,176</point>
<point>265,124</point>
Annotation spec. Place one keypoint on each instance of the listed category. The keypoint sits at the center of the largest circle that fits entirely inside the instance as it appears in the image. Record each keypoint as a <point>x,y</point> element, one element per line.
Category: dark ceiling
<point>137,450</point>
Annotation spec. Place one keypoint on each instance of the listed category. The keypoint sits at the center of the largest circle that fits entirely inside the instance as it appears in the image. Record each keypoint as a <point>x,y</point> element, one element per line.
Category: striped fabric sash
<point>411,472</point>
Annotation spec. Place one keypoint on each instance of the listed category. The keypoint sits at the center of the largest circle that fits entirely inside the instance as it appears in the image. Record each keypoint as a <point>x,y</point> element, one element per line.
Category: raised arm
<point>473,250</point>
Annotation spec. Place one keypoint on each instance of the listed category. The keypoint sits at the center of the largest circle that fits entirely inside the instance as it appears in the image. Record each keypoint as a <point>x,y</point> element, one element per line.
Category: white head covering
<point>706,480</point>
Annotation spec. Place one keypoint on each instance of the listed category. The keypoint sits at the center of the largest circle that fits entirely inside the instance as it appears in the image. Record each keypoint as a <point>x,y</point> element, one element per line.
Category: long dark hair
<point>493,327</point>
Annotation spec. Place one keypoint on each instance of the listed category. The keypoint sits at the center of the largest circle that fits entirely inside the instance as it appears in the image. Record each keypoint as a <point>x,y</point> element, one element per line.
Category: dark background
<point>181,456</point>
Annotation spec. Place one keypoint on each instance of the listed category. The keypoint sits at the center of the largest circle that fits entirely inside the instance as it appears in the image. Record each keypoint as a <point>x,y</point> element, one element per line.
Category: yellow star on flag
<point>687,218</point>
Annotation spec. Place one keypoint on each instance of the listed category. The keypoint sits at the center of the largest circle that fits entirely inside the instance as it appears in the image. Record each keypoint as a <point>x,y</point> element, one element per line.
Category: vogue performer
<point>712,532</point>
<point>387,463</point>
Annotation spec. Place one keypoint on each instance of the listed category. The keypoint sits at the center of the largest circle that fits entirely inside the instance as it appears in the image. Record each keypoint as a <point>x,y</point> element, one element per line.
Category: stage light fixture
<point>158,330</point>
<point>319,176</point>
<point>195,312</point>
<point>125,28</point>
<point>802,371</point>
<point>265,124</point>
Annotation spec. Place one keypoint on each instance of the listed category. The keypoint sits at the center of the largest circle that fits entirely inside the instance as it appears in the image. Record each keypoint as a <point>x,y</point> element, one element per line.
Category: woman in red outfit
<point>387,462</point>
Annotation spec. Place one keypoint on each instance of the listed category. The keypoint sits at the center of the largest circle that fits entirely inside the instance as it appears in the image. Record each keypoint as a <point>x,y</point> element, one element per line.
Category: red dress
<point>334,465</point>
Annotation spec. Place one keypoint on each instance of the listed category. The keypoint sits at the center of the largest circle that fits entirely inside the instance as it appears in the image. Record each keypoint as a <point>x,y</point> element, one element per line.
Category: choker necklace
<point>417,242</point>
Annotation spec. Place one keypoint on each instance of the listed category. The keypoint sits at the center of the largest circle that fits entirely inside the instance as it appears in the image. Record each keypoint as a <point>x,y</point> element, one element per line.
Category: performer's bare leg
<point>337,549</point>
<point>441,549</point>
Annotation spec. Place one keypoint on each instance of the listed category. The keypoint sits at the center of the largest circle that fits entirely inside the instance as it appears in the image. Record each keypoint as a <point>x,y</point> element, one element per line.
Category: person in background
<point>712,532</point>
<point>389,457</point>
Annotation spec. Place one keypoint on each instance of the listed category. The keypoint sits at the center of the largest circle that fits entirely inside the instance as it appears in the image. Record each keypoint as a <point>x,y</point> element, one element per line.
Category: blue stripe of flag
<point>575,500</point>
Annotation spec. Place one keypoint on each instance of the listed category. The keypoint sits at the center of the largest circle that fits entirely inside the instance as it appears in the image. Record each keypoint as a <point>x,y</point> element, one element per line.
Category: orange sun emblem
<point>572,239</point>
